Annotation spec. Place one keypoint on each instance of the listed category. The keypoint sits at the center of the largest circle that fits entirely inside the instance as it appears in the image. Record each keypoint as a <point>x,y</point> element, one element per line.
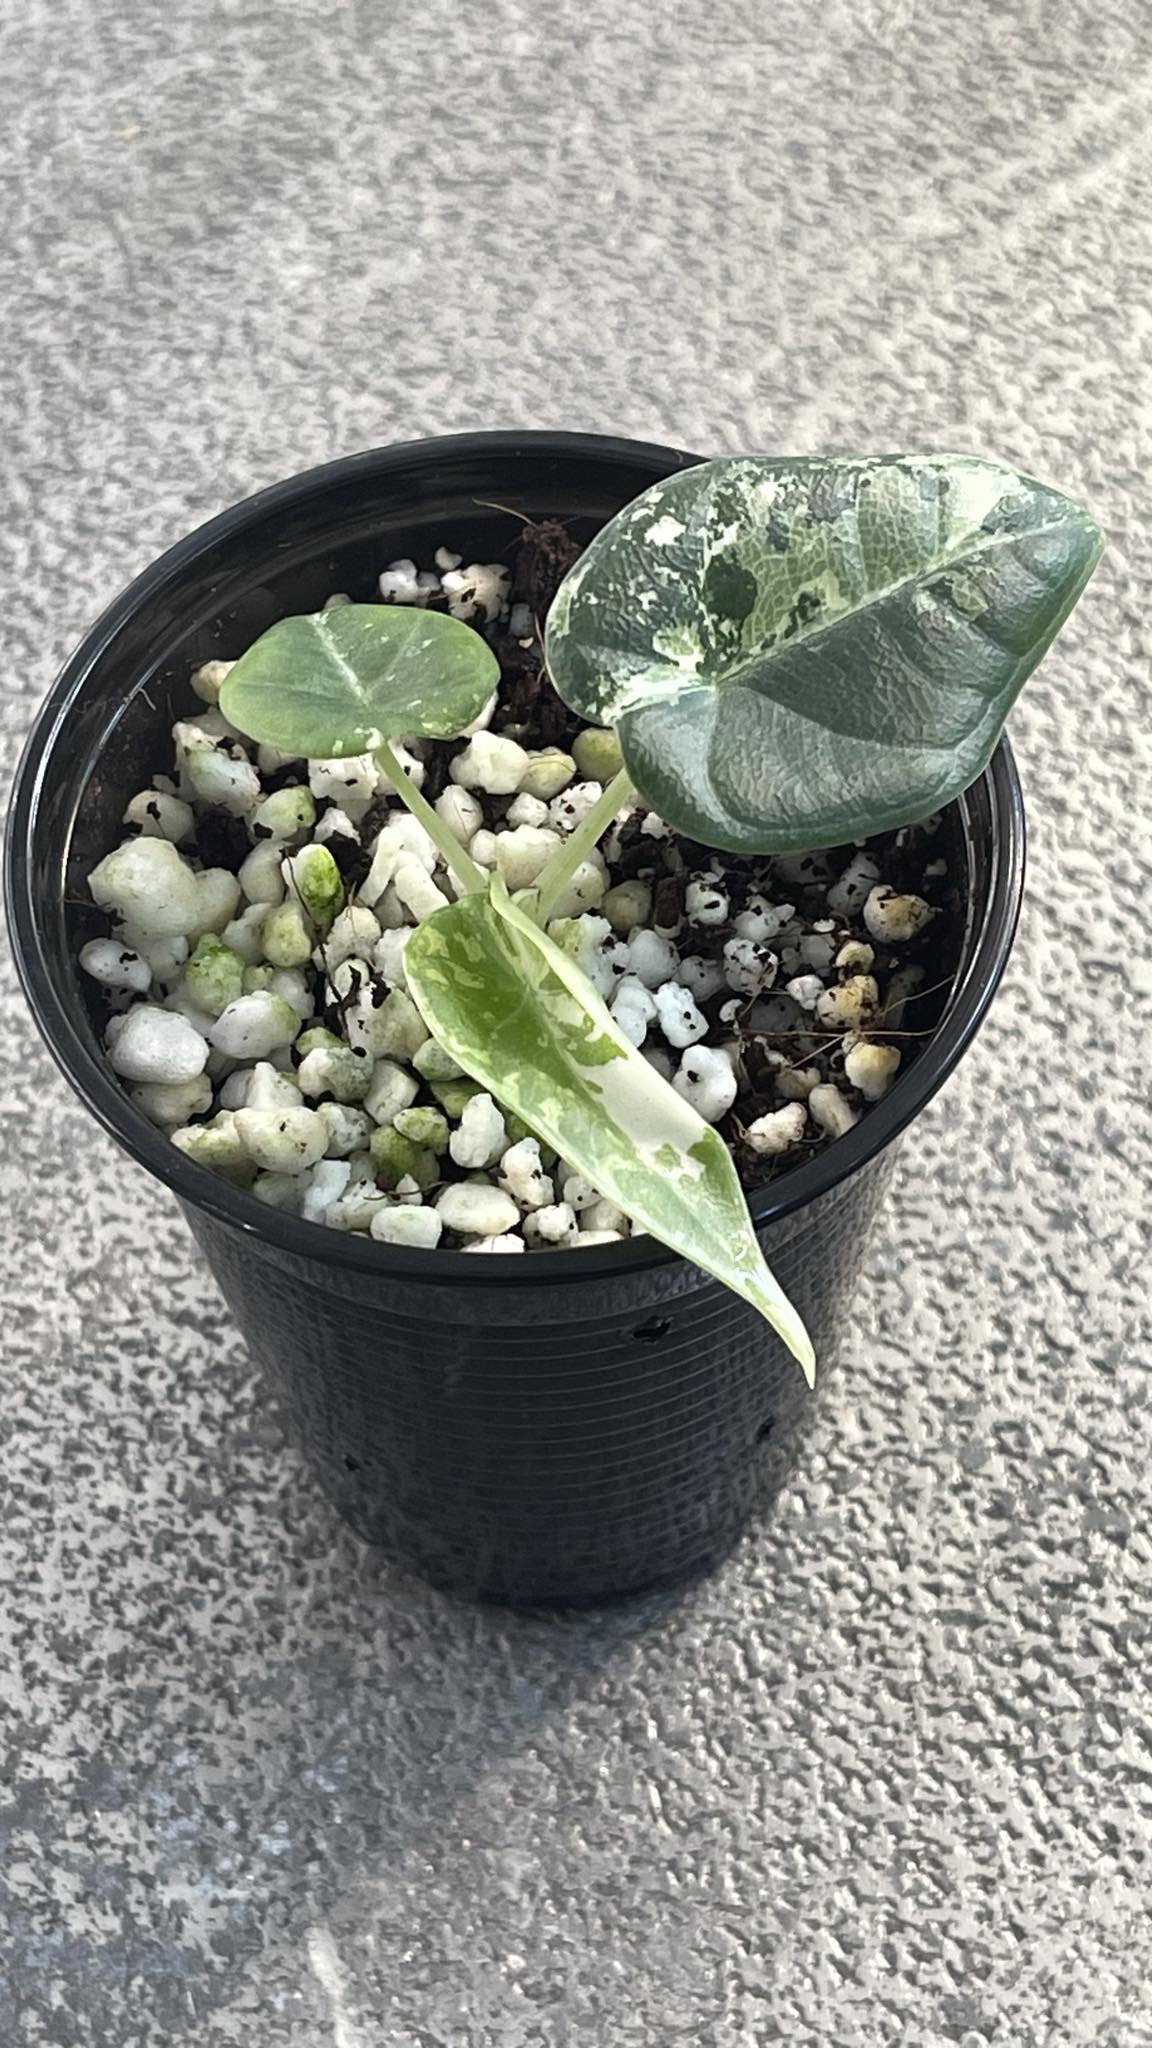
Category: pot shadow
<point>226,1719</point>
<point>311,1727</point>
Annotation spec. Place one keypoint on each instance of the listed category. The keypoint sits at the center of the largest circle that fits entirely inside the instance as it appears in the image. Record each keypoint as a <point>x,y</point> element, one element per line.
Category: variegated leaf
<point>342,681</point>
<point>795,653</point>
<point>522,1018</point>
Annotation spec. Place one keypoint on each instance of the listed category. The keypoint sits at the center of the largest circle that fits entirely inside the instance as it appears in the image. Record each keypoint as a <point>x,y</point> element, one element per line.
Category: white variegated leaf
<point>797,653</point>
<point>522,1018</point>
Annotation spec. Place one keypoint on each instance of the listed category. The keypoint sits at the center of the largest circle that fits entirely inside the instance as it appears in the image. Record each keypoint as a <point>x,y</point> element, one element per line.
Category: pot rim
<point>57,1009</point>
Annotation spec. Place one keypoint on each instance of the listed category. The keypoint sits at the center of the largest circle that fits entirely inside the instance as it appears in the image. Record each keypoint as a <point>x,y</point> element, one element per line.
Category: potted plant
<point>490,912</point>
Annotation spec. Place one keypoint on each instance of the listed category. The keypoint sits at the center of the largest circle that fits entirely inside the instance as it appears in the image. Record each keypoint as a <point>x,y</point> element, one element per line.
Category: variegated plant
<point>793,654</point>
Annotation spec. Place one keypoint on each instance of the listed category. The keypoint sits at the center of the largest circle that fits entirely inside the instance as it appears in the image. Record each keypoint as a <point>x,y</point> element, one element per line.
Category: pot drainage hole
<point>652,1331</point>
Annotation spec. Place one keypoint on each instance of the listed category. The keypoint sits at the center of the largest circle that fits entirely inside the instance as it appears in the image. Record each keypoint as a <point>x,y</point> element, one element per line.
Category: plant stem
<point>567,858</point>
<point>460,862</point>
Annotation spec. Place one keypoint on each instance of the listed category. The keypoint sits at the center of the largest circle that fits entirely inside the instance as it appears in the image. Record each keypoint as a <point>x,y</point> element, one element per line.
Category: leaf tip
<point>788,1324</point>
<point>802,1351</point>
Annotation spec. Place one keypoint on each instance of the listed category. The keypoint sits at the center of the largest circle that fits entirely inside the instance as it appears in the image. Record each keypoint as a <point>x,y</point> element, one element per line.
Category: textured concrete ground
<point>886,1779</point>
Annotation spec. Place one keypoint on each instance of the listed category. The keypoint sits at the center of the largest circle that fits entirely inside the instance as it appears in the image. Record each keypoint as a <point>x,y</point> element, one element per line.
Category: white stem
<point>567,858</point>
<point>461,863</point>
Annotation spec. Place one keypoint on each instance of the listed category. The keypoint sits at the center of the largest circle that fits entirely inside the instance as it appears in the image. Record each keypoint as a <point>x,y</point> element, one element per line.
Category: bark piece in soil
<point>352,859</point>
<point>436,776</point>
<point>541,559</point>
<point>290,776</point>
<point>528,701</point>
<point>222,841</point>
<point>378,814</point>
<point>668,903</point>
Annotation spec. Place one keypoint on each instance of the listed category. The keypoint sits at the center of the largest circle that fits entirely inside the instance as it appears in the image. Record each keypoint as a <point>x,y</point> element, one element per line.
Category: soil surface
<point>777,993</point>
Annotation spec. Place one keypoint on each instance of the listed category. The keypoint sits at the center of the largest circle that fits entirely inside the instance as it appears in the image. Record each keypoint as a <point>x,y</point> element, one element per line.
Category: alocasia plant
<point>793,653</point>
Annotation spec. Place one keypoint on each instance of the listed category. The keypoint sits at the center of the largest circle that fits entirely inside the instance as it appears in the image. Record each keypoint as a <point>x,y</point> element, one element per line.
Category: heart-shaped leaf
<point>799,653</point>
<point>522,1018</point>
<point>326,684</point>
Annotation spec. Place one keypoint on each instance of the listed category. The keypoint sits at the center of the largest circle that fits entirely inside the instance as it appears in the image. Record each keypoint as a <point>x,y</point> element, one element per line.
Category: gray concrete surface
<point>886,1779</point>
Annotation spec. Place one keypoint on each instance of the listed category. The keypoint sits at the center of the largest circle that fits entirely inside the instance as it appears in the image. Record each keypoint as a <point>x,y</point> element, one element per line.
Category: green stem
<point>579,844</point>
<point>460,862</point>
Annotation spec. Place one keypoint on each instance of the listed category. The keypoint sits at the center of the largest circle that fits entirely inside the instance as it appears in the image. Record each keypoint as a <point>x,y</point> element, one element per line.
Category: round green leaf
<point>795,653</point>
<point>342,681</point>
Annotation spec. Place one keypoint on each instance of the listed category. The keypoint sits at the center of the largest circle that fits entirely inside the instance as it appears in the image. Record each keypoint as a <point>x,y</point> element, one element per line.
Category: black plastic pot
<point>557,1428</point>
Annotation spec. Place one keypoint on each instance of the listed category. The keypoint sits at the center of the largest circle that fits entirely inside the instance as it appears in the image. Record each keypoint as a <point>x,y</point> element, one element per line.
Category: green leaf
<point>795,653</point>
<point>338,682</point>
<point>519,1015</point>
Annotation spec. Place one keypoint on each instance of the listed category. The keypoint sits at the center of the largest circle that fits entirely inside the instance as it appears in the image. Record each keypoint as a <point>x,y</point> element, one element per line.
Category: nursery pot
<point>554,1428</point>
